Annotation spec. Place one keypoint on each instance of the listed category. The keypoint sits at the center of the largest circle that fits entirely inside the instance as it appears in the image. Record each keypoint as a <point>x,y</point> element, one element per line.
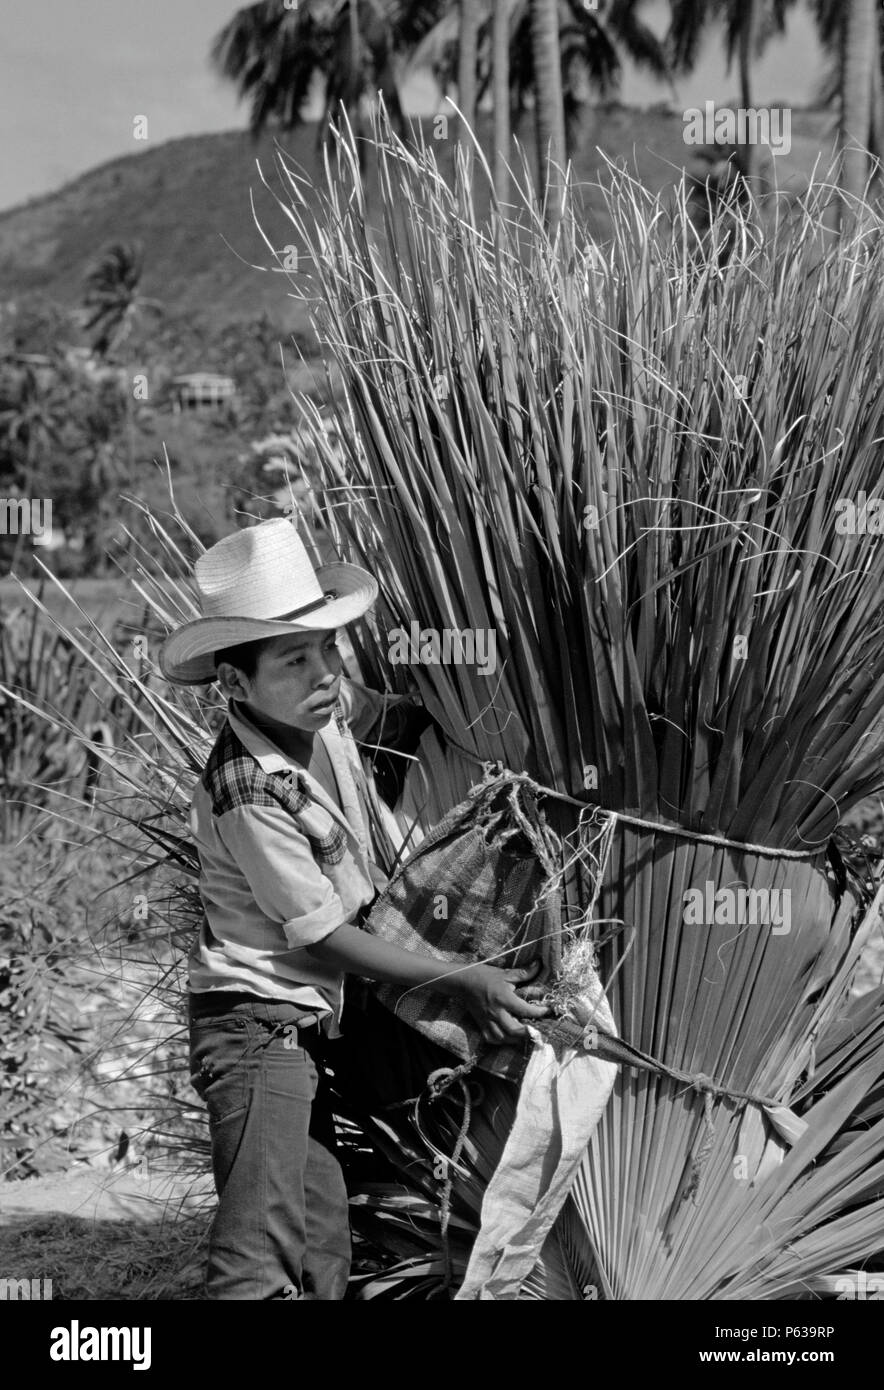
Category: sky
<point>74,75</point>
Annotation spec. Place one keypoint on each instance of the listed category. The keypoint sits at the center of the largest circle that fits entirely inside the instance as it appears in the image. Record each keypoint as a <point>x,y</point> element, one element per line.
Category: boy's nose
<point>326,673</point>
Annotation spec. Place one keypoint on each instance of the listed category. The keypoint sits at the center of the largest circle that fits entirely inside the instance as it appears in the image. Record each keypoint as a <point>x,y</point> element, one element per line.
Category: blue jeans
<point>281,1229</point>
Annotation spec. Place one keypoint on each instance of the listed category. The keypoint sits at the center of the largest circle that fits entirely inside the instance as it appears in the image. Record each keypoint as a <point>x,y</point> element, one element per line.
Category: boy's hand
<point>490,996</point>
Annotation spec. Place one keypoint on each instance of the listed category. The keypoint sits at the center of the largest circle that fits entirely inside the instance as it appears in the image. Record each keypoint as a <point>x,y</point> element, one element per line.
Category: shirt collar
<point>272,759</point>
<point>268,756</point>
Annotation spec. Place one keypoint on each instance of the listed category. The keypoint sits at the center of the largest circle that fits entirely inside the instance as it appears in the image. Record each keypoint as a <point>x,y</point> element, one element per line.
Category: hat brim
<point>187,656</point>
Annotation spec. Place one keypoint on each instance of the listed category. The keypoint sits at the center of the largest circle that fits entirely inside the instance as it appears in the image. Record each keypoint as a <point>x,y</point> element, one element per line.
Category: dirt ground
<point>100,1234</point>
<point>93,1194</point>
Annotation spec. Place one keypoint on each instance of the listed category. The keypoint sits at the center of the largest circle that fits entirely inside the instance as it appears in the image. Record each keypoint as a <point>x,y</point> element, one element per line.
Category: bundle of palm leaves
<point>633,465</point>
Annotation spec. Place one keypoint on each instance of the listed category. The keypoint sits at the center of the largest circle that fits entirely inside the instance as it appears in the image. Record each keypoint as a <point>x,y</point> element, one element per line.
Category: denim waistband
<point>214,1003</point>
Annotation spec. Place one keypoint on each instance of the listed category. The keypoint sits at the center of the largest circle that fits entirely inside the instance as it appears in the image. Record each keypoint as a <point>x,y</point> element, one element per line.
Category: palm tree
<point>467,57</point>
<point>345,80</point>
<point>112,304</point>
<point>860,58</point>
<point>590,43</point>
<point>500,85</point>
<point>830,16</point>
<point>853,35</point>
<point>549,107</point>
<point>272,54</point>
<point>748,26</point>
<point>111,299</point>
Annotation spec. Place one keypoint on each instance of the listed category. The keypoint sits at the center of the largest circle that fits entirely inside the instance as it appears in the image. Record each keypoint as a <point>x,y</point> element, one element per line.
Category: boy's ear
<point>232,682</point>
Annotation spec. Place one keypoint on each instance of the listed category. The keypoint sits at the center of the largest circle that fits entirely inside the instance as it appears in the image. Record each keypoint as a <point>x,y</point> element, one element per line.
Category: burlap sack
<point>469,893</point>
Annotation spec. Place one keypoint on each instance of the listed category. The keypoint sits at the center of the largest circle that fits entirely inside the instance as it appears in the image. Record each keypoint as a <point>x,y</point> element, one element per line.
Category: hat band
<point>308,608</point>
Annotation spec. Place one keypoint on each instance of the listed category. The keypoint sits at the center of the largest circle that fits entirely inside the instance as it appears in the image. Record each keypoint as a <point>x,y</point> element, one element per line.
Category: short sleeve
<point>284,877</point>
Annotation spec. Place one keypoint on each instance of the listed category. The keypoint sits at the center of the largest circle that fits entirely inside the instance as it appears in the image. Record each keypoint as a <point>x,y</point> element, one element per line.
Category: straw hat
<point>260,583</point>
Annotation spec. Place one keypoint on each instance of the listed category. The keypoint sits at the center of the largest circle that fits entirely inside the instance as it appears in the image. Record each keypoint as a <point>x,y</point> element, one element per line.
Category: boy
<point>280,821</point>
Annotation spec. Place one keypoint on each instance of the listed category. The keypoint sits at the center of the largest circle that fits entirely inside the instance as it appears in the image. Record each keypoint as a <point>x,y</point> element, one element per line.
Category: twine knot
<point>441,1080</point>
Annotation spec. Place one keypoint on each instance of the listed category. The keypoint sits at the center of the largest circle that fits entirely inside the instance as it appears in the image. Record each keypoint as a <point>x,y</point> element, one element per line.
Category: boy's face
<point>296,681</point>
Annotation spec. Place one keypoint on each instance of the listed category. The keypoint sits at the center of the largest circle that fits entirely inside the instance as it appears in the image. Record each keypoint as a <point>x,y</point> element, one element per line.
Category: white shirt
<point>267,887</point>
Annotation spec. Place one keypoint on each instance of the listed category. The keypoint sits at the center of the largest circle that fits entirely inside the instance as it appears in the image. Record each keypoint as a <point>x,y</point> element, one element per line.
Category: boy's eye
<point>299,659</point>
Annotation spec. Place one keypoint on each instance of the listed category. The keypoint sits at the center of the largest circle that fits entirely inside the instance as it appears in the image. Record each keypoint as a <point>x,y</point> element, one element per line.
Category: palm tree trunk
<point>354,93</point>
<point>467,59</point>
<point>353,17</point>
<point>859,54</point>
<point>549,110</point>
<point>500,83</point>
<point>747,36</point>
<point>876,140</point>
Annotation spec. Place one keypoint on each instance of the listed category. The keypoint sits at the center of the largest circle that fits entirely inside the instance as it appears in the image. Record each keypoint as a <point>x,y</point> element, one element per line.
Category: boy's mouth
<point>324,706</point>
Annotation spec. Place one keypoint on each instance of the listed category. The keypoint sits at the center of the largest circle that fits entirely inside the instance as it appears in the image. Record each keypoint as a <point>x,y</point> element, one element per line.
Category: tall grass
<point>711,415</point>
<point>89,701</point>
<point>38,762</point>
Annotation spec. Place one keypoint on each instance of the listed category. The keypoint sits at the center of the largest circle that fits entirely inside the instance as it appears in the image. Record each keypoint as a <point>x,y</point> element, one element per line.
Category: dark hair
<point>244,657</point>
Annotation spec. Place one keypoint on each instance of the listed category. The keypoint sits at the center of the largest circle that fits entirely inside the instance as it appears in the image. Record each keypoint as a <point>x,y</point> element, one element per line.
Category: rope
<point>496,772</point>
<point>615,1049</point>
<point>438,1083</point>
<point>546,848</point>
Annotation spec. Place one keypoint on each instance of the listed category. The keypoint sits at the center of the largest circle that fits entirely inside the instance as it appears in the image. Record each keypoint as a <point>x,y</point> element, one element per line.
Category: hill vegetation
<point>188,202</point>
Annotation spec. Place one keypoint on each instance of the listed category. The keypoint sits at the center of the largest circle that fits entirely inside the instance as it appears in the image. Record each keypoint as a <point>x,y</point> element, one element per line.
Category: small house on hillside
<point>85,361</point>
<point>201,391</point>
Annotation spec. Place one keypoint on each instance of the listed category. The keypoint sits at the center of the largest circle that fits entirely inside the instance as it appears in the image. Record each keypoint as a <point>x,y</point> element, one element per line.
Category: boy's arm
<point>291,890</point>
<point>488,993</point>
<point>277,861</point>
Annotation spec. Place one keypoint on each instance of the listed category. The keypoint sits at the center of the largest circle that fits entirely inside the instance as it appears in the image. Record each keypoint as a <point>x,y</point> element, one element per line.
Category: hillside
<point>187,198</point>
